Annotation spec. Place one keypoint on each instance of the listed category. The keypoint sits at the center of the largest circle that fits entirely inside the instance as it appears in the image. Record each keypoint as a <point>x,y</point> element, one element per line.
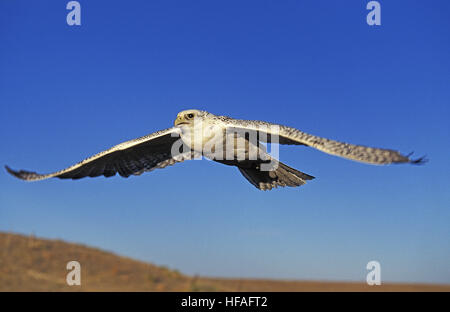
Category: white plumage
<point>226,140</point>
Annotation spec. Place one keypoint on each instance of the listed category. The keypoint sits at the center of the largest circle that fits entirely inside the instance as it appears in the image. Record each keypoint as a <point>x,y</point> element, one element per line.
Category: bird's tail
<point>282,176</point>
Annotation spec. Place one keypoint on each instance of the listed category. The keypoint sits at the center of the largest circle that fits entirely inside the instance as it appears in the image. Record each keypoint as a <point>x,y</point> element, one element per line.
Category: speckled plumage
<point>289,135</point>
<point>155,151</point>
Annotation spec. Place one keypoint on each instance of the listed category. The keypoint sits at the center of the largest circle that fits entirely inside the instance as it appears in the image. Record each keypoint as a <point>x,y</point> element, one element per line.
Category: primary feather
<point>156,150</point>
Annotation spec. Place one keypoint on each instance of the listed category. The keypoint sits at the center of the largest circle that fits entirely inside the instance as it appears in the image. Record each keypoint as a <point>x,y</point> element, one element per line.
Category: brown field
<point>31,264</point>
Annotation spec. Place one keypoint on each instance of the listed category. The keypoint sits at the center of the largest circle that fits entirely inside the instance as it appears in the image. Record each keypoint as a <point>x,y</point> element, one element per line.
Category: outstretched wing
<point>287,135</point>
<point>129,158</point>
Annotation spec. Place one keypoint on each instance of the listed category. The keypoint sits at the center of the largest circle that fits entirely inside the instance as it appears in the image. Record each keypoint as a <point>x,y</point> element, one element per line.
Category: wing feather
<point>128,158</point>
<point>289,135</point>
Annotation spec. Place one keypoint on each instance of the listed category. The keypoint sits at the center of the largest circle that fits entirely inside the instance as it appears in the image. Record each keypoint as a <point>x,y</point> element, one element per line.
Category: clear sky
<point>67,92</point>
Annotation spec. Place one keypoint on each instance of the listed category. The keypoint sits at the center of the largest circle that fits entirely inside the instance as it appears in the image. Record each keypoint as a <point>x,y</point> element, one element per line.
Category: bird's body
<point>222,139</point>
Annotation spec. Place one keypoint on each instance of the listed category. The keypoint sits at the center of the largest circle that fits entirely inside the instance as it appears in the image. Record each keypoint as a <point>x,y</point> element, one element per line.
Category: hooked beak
<point>179,121</point>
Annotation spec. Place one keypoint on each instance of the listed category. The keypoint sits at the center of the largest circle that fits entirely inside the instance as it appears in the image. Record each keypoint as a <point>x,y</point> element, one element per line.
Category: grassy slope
<point>32,264</point>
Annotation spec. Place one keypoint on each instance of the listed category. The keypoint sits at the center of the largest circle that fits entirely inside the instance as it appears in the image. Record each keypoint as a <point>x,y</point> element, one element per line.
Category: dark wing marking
<point>129,158</point>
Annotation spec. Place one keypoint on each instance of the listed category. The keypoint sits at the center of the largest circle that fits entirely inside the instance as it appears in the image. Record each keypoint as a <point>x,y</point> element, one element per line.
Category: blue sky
<point>67,92</point>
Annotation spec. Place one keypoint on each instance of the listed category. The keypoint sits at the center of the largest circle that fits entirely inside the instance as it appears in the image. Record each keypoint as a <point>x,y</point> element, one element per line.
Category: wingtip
<point>23,175</point>
<point>12,172</point>
<point>9,170</point>
<point>417,161</point>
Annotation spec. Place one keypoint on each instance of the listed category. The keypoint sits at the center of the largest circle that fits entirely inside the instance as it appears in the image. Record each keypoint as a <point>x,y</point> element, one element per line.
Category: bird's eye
<point>190,115</point>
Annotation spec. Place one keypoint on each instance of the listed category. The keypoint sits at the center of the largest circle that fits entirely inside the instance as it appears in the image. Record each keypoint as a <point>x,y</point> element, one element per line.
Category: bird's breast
<point>199,138</point>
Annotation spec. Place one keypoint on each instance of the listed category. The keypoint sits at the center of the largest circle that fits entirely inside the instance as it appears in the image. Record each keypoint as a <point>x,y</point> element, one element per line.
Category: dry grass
<point>31,264</point>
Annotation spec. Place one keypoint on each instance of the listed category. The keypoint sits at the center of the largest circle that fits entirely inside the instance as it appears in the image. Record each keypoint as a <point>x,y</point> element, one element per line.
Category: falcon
<point>233,142</point>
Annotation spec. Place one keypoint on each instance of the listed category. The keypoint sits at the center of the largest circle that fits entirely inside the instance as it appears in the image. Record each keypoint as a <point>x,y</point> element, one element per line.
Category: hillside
<point>32,264</point>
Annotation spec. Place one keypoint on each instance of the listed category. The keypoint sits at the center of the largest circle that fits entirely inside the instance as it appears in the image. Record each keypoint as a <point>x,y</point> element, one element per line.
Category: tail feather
<point>282,176</point>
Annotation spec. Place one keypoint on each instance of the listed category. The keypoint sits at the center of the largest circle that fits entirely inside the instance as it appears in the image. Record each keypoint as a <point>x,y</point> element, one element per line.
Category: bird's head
<point>187,117</point>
